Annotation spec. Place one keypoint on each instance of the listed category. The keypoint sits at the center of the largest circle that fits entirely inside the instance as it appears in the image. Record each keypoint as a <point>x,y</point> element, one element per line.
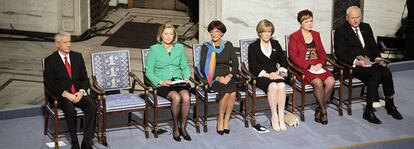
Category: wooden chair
<point>53,111</point>
<point>304,88</point>
<point>111,71</point>
<point>158,102</point>
<point>350,81</point>
<point>257,93</point>
<point>210,97</point>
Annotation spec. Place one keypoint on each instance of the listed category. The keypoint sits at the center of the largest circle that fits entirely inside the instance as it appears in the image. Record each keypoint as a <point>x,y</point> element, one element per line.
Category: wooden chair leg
<point>46,122</point>
<point>302,105</point>
<point>55,131</point>
<point>205,113</point>
<point>195,117</point>
<point>253,120</point>
<point>105,142</point>
<point>350,99</point>
<point>246,102</point>
<point>155,121</point>
<point>129,118</point>
<point>147,129</point>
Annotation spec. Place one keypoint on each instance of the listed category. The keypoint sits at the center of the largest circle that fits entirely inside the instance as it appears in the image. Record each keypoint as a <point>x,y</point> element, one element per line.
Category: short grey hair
<point>351,9</point>
<point>61,34</point>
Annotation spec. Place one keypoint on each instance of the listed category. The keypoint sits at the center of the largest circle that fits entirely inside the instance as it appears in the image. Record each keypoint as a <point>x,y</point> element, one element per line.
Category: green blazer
<point>161,66</point>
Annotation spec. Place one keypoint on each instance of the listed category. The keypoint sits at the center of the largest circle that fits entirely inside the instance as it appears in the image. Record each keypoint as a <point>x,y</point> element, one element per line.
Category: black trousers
<point>373,77</point>
<point>88,106</point>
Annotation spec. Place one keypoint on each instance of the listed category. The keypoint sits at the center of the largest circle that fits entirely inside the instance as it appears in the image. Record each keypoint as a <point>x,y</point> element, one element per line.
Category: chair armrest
<point>244,76</point>
<point>94,89</point>
<point>295,68</point>
<point>247,72</point>
<point>198,76</point>
<point>49,93</point>
<point>196,83</point>
<point>148,82</point>
<point>96,85</point>
<point>334,64</point>
<point>136,79</point>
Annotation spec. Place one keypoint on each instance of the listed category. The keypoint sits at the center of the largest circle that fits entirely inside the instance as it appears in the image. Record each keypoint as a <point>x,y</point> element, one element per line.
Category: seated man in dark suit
<point>354,43</point>
<point>65,76</point>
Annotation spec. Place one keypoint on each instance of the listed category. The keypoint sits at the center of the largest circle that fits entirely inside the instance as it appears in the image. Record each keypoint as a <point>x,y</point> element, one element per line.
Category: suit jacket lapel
<point>61,66</point>
<point>74,66</point>
<point>354,36</point>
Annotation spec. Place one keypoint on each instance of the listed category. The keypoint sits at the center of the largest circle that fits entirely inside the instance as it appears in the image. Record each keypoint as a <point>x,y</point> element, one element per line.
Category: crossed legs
<point>322,91</point>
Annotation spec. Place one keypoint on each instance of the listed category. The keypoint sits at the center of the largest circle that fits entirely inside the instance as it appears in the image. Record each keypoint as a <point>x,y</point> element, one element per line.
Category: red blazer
<point>297,49</point>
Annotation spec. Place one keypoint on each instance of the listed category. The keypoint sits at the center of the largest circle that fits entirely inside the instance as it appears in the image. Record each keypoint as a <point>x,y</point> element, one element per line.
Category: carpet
<point>134,35</point>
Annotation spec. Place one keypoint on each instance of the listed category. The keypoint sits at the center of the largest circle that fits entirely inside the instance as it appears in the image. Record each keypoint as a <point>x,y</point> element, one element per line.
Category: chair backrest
<point>196,54</point>
<point>111,69</point>
<point>244,50</point>
<point>287,45</point>
<point>332,42</point>
<point>144,53</point>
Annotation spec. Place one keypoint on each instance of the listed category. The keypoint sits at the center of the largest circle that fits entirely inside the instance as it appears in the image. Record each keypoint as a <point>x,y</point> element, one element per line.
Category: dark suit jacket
<point>348,47</point>
<point>297,49</point>
<point>258,61</point>
<point>57,79</point>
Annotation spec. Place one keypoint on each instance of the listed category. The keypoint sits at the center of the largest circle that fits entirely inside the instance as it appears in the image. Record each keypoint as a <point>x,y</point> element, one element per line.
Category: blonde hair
<point>162,28</point>
<point>353,8</point>
<point>60,35</point>
<point>264,24</point>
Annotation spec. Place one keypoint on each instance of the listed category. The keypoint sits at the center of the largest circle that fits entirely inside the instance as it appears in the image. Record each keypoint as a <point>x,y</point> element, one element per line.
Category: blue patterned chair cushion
<point>308,87</point>
<point>260,92</point>
<point>355,82</point>
<point>162,102</point>
<point>123,101</point>
<point>60,112</point>
<point>111,69</point>
<point>211,96</point>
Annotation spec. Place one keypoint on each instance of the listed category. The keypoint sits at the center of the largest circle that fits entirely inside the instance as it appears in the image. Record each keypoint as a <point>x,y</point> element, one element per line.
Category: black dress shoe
<point>370,117</point>
<point>220,132</point>
<point>86,144</point>
<point>324,118</point>
<point>177,138</point>
<point>75,145</point>
<point>227,131</point>
<point>392,110</point>
<point>186,137</point>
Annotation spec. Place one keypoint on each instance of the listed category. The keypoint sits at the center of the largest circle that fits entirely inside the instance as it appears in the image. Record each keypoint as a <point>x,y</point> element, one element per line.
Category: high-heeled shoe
<point>186,137</point>
<point>227,131</point>
<point>317,115</point>
<point>324,118</point>
<point>220,132</point>
<point>176,138</point>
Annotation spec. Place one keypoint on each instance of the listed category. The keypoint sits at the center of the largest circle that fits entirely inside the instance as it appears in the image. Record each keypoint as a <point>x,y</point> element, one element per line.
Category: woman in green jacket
<point>166,63</point>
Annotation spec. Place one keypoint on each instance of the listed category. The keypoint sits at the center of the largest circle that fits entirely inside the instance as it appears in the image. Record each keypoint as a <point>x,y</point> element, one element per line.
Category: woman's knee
<point>317,83</point>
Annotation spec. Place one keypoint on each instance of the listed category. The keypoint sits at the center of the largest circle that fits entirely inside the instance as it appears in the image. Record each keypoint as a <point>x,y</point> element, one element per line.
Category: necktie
<point>360,41</point>
<point>69,70</point>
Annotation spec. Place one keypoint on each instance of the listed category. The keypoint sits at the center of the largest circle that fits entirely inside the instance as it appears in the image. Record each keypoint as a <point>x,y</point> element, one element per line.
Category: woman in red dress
<point>307,52</point>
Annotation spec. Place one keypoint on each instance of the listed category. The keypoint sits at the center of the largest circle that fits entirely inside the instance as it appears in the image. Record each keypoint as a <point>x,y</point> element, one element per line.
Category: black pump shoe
<point>227,131</point>
<point>325,117</point>
<point>186,137</point>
